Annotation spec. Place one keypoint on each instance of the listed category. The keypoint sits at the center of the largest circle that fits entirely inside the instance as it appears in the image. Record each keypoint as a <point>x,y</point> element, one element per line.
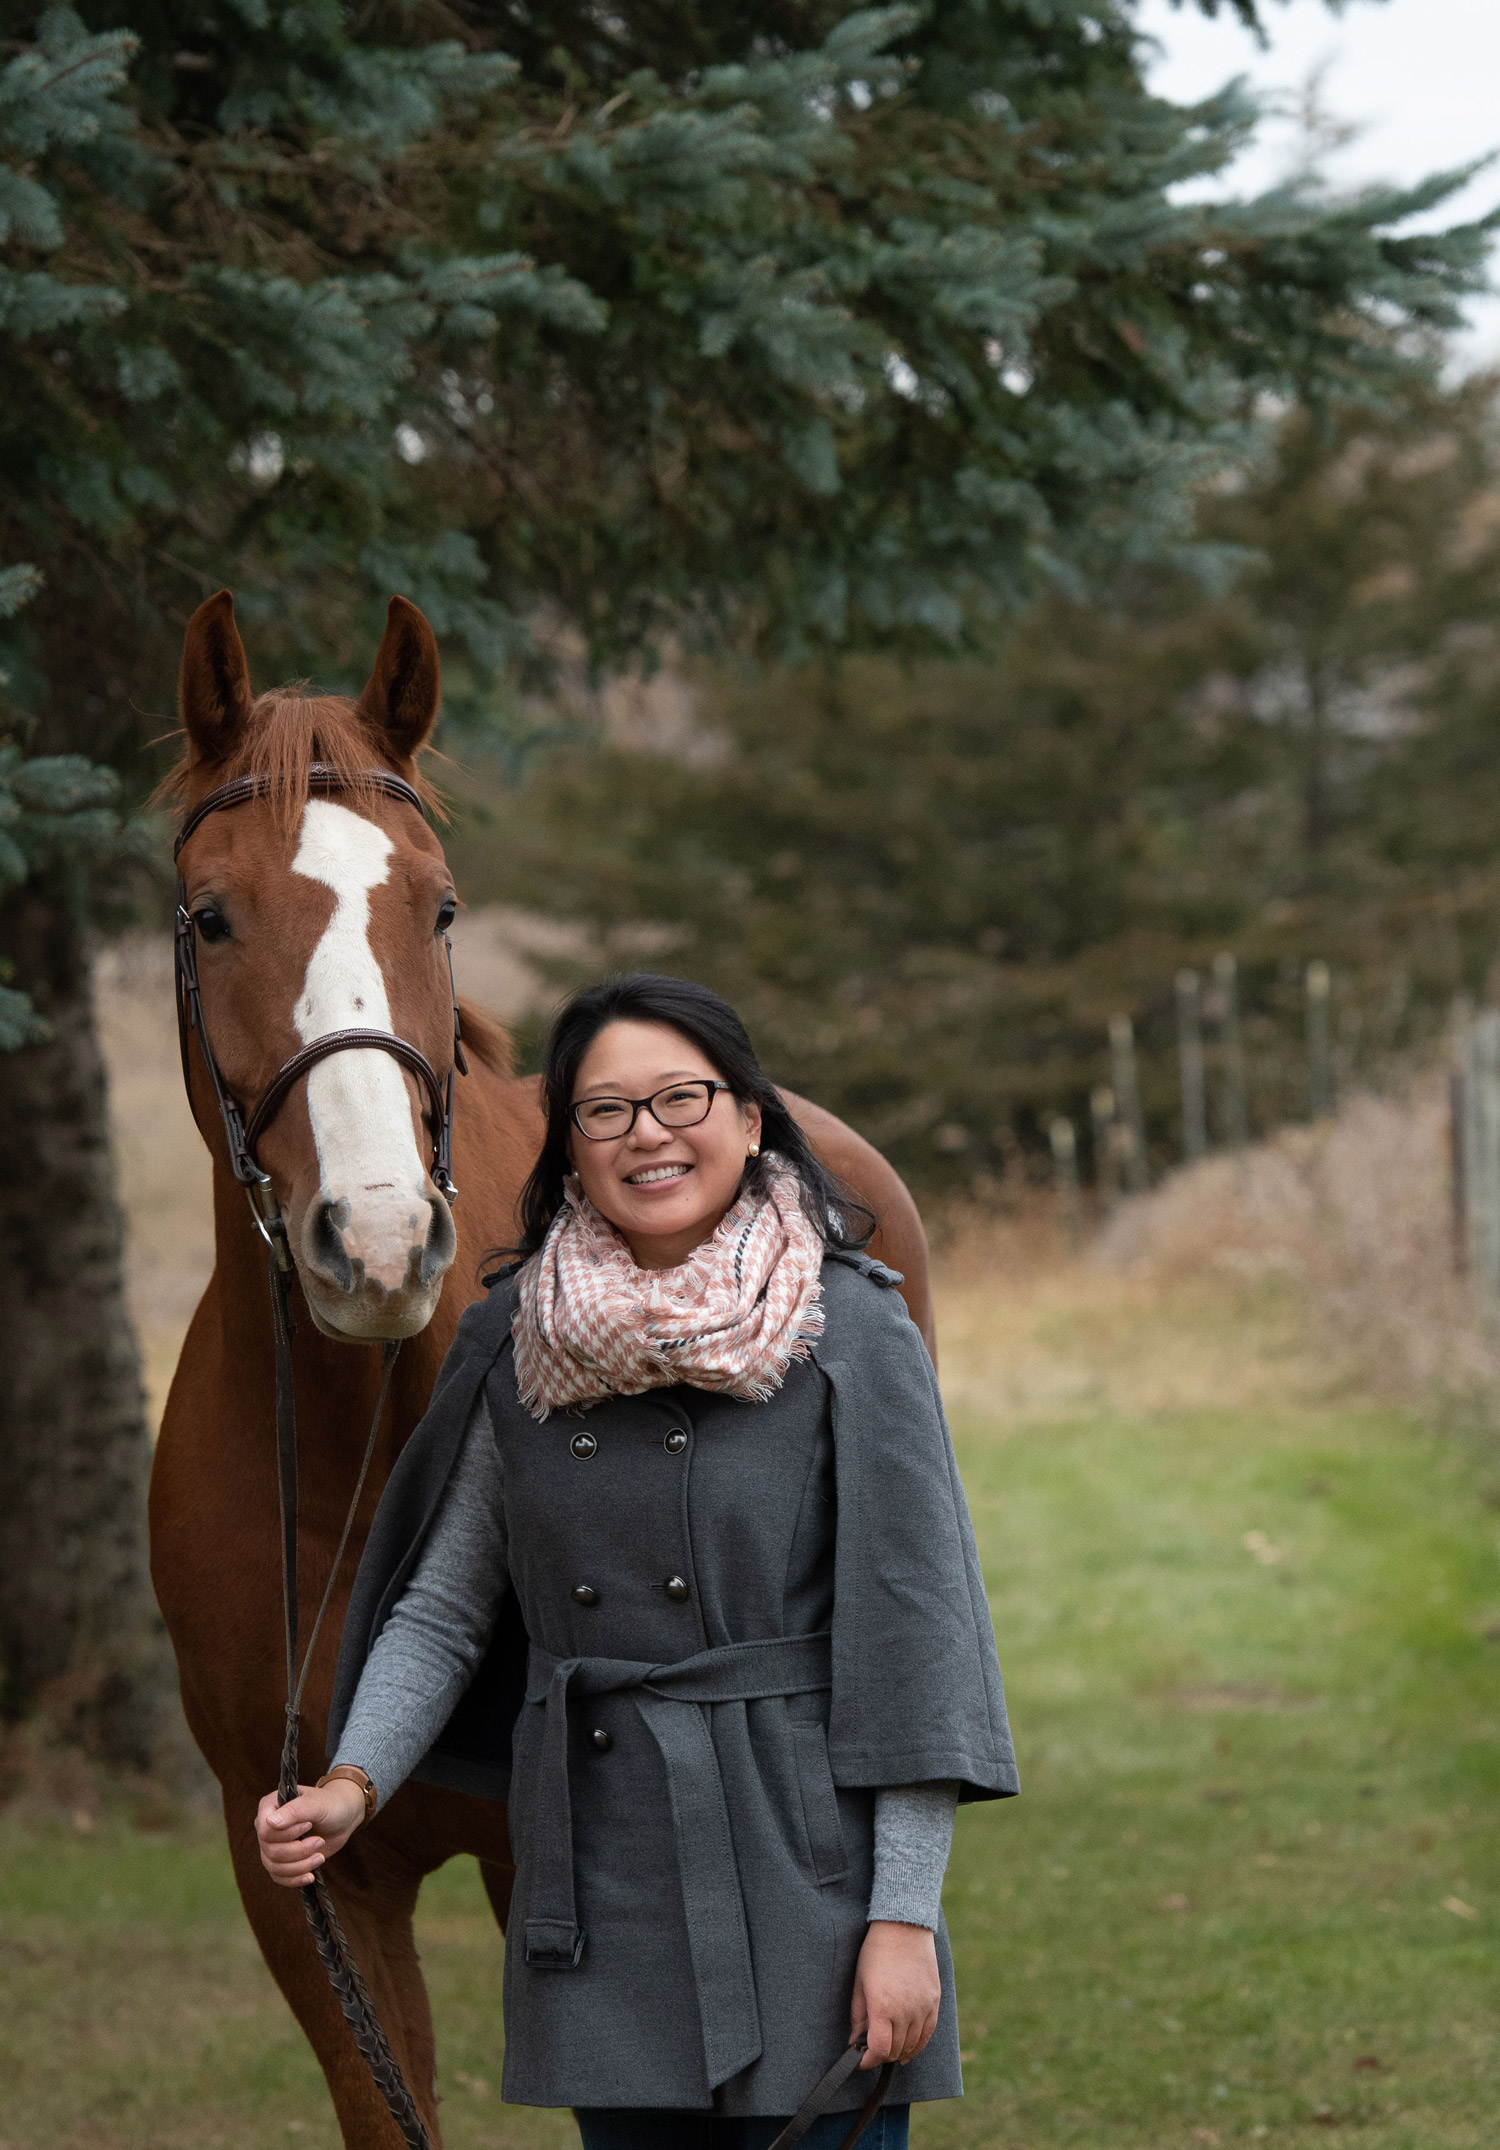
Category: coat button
<point>602,1741</point>
<point>676,1588</point>
<point>585,1594</point>
<point>583,1445</point>
<point>675,1442</point>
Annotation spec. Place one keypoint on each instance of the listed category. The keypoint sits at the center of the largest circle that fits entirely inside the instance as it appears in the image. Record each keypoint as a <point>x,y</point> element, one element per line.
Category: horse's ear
<point>400,704</point>
<point>214,687</point>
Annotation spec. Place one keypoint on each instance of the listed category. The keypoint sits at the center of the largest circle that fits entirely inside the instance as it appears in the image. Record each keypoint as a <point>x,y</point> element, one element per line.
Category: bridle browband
<point>243,1132</point>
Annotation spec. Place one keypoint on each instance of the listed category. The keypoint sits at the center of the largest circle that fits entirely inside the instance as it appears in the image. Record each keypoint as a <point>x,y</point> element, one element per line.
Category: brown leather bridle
<point>243,1131</point>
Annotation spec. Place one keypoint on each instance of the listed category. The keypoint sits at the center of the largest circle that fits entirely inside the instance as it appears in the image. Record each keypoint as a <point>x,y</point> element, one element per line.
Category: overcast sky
<point>1421,76</point>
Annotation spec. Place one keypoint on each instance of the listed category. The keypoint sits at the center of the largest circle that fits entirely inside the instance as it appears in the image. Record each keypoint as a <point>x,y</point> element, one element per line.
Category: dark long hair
<point>712,1025</point>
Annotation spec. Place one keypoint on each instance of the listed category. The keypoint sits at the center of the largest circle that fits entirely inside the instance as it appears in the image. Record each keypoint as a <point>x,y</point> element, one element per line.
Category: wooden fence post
<point>1319,1056</point>
<point>1128,1100</point>
<point>1235,1109</point>
<point>1457,1163</point>
<point>1065,1177</point>
<point>1480,1149</point>
<point>1190,1064</point>
<point>1102,1121</point>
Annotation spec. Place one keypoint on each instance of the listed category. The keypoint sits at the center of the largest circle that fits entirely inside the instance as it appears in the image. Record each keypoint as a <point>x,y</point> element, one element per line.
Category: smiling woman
<point>688,1469</point>
<point>617,1054</point>
<point>654,1149</point>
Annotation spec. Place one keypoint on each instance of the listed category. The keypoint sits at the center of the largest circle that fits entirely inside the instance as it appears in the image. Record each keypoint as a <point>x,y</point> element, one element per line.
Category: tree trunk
<point>81,1642</point>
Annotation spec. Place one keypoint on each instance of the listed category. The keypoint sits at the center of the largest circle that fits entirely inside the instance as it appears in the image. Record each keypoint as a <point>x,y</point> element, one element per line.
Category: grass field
<point>1251,1631</point>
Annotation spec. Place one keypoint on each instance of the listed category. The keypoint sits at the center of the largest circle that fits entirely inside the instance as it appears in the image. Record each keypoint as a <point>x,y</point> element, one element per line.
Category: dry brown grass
<point>1351,1223</point>
<point>164,1169</point>
<point>1028,1330</point>
<point>1319,1264</point>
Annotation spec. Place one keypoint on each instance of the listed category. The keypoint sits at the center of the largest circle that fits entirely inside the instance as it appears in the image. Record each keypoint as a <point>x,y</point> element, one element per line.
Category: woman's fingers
<point>919,2031</point>
<point>275,1823</point>
<point>291,1847</point>
<point>899,2037</point>
<point>301,1853</point>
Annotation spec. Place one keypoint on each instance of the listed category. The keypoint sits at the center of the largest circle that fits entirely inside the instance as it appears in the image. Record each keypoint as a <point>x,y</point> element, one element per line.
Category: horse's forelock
<point>290,729</point>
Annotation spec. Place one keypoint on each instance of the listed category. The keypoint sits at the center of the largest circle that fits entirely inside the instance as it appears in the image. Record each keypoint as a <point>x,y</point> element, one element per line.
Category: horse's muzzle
<point>373,1270</point>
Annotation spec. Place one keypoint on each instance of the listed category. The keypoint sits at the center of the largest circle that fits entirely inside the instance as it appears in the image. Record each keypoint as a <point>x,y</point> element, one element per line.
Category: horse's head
<point>313,914</point>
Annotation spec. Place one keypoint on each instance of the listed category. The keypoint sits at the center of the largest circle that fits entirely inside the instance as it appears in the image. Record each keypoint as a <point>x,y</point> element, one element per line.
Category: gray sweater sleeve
<point>913,1836</point>
<point>432,1644</point>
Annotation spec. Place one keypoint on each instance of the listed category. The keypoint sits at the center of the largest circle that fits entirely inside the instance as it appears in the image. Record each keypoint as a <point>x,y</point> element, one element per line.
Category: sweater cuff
<point>913,1836</point>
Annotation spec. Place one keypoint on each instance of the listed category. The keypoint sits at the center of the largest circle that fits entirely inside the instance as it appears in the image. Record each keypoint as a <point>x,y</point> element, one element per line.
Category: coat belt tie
<point>670,1699</point>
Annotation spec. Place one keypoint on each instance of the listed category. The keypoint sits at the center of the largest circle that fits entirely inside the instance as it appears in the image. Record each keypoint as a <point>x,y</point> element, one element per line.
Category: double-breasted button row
<point>676,1587</point>
<point>584,1445</point>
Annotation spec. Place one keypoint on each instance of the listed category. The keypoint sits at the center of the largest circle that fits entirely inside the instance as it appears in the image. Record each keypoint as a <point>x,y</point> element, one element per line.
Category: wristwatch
<point>354,1775</point>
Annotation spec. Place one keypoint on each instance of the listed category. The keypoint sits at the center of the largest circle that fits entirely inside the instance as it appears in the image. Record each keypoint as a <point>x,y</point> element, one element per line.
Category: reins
<point>243,1132</point>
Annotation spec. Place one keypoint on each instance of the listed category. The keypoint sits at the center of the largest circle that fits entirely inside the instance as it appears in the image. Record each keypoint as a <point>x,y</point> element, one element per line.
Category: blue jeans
<point>623,2128</point>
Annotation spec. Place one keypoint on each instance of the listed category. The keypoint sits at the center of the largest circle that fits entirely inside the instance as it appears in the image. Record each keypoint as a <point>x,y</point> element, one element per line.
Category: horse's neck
<point>497,1133</point>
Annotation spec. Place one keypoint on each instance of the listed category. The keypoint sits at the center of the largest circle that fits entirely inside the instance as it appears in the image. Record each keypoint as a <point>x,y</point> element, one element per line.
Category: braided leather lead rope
<point>336,1957</point>
<point>329,1938</point>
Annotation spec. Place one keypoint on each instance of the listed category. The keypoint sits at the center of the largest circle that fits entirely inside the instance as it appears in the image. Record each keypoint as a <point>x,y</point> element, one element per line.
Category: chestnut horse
<point>314,914</point>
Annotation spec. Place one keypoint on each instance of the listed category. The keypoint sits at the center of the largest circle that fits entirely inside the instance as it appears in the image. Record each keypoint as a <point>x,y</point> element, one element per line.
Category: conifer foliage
<point>929,888</point>
<point>758,321</point>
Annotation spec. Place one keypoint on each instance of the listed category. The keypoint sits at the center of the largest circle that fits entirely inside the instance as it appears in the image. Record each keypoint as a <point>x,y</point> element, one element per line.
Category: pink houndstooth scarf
<point>591,1323</point>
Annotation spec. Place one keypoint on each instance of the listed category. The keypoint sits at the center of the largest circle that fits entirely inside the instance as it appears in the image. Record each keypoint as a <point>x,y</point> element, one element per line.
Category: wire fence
<point>1213,1109</point>
<point>1212,1112</point>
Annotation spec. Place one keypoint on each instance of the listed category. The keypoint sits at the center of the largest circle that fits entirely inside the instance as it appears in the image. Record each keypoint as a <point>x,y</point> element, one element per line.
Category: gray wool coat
<point>724,1625</point>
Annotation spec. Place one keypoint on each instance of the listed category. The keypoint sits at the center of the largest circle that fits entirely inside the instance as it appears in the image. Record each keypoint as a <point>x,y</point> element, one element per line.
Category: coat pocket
<point>820,1803</point>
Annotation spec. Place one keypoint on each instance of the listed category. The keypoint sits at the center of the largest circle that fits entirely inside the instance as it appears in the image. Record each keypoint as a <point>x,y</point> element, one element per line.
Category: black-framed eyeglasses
<point>680,1104</point>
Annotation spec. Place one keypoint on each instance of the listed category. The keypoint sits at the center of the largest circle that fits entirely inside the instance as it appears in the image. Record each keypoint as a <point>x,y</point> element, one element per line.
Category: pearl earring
<point>754,1149</point>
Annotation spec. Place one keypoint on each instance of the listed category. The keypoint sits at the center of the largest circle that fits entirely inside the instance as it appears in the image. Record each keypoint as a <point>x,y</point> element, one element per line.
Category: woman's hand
<point>896,1992</point>
<point>297,1838</point>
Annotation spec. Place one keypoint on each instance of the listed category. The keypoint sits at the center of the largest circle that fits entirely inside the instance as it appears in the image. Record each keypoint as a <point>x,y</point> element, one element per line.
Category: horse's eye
<point>212,925</point>
<point>447,911</point>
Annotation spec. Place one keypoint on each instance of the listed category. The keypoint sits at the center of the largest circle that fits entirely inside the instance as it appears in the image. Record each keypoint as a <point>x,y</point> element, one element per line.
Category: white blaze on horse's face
<point>372,1224</point>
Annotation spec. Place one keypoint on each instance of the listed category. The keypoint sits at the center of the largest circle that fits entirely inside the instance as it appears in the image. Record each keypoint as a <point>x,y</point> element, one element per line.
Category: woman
<point>694,1441</point>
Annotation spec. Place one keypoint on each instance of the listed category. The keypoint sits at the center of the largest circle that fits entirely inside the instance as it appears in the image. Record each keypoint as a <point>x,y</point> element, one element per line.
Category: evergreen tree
<point>929,888</point>
<point>769,323</point>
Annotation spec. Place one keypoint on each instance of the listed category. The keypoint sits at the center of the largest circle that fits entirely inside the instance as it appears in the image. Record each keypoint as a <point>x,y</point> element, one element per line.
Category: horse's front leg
<point>374,1883</point>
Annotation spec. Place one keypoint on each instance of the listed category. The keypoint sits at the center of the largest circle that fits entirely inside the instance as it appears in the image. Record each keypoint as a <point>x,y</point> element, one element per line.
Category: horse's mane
<point>290,728</point>
<point>485,1040</point>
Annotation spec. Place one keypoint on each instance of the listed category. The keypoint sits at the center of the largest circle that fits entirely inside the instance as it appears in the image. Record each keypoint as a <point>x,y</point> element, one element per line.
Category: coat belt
<point>669,1699</point>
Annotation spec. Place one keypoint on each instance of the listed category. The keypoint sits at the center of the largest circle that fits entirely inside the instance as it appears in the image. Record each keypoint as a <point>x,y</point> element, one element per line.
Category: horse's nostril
<point>325,1243</point>
<point>442,1241</point>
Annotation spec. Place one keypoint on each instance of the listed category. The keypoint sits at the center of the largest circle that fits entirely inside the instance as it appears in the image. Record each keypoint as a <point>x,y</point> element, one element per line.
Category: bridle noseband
<point>243,1133</point>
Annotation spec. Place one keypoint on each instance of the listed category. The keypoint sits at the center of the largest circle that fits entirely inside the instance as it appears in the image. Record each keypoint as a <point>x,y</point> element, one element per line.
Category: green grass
<point>1217,1913</point>
<point>1250,1783</point>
